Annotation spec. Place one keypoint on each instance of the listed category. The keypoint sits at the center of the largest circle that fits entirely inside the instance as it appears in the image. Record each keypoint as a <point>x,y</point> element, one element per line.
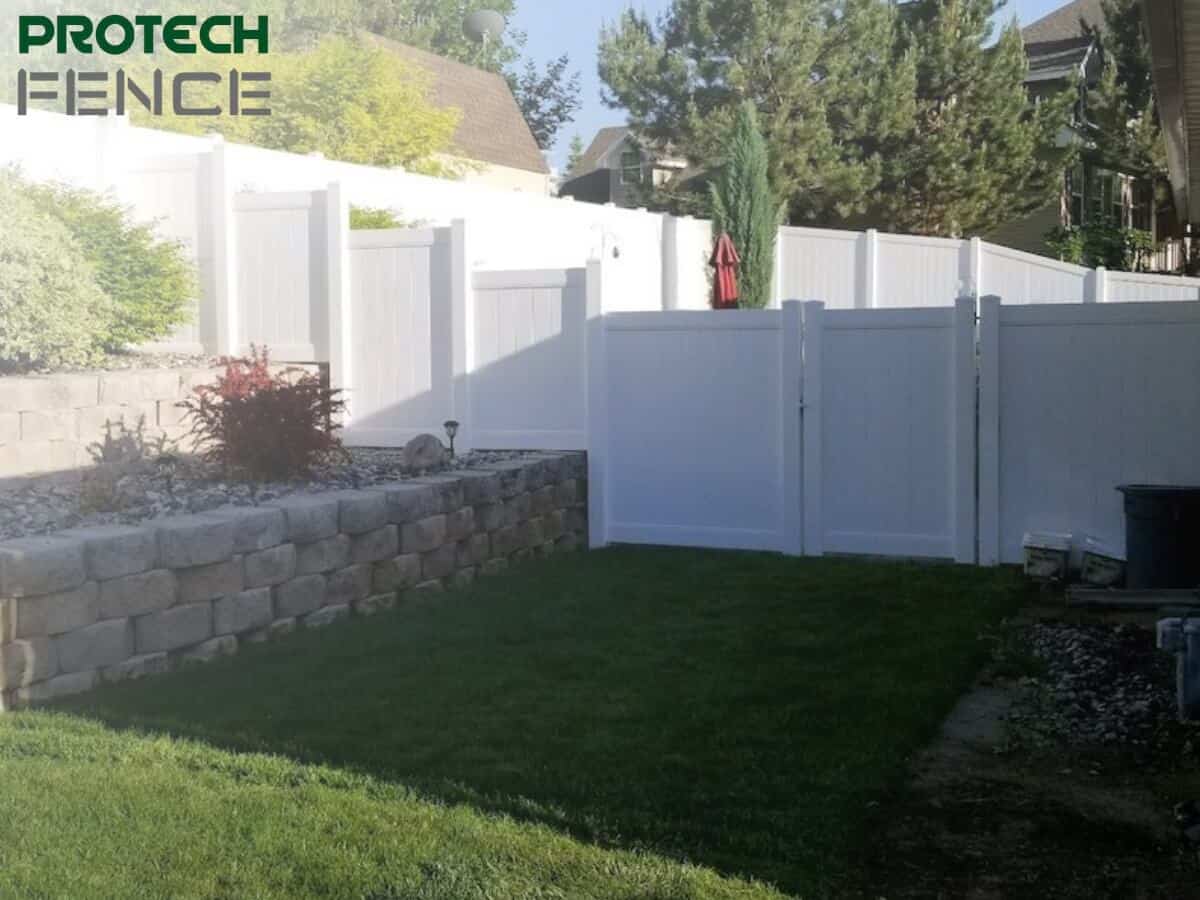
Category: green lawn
<point>633,723</point>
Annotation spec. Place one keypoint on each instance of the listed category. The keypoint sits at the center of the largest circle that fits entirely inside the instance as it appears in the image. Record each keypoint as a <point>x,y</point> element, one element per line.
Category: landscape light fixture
<point>451,427</point>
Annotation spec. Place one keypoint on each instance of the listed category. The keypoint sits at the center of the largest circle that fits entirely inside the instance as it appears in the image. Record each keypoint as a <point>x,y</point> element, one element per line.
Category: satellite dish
<point>484,26</point>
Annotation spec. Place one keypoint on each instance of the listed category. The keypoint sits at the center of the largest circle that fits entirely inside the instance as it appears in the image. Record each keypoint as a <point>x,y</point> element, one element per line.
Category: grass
<point>641,723</point>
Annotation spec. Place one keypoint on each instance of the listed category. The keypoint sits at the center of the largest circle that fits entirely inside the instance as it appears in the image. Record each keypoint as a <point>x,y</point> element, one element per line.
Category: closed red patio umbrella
<point>725,261</point>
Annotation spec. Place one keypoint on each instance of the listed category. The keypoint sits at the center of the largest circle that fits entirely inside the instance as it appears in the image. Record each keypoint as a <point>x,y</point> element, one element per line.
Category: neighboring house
<point>1173,28</point>
<point>492,133</point>
<point>1059,51</point>
<point>615,165</point>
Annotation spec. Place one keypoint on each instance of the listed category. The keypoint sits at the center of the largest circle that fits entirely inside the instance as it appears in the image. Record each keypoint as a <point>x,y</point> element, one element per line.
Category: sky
<point>573,26</point>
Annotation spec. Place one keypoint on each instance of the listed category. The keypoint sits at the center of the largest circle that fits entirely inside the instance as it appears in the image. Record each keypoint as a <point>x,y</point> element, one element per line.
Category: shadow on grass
<point>736,710</point>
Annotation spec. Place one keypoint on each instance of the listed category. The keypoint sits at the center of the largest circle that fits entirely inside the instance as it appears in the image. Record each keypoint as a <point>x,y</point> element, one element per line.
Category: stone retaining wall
<point>105,604</point>
<point>48,422</point>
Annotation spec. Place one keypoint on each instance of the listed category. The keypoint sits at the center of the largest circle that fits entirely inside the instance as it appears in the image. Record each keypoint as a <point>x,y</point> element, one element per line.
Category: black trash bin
<point>1162,536</point>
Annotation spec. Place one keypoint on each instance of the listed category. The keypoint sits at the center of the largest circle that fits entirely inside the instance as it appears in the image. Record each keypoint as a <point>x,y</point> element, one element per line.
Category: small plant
<point>125,446</point>
<point>265,425</point>
<point>1103,243</point>
<point>368,218</point>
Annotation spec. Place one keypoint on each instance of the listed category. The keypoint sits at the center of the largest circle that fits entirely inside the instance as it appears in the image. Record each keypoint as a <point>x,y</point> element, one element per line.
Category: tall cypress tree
<point>745,208</point>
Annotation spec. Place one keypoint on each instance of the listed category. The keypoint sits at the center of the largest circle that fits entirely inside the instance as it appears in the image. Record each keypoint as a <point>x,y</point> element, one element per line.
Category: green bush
<point>151,281</point>
<point>369,218</point>
<point>1103,243</point>
<point>51,306</point>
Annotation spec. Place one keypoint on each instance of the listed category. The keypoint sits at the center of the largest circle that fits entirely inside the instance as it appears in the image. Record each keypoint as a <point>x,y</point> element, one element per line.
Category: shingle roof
<point>491,129</point>
<point>1064,23</point>
<point>601,143</point>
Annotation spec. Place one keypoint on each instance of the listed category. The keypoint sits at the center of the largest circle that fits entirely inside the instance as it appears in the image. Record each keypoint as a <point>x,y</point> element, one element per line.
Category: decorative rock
<point>54,688</point>
<point>270,567</point>
<point>348,586</point>
<point>361,511</point>
<point>137,667</point>
<point>323,556</point>
<point>409,501</point>
<point>396,573</point>
<point>246,611</point>
<point>173,628</point>
<point>111,551</point>
<point>209,582</point>
<point>40,565</point>
<point>460,523</point>
<point>254,528</point>
<point>226,645</point>
<point>194,541</point>
<point>95,647</point>
<point>424,452</point>
<point>376,545</point>
<point>440,562</point>
<point>376,603</point>
<point>300,596</point>
<point>136,595</point>
<point>54,613</point>
<point>326,616</point>
<point>424,535</point>
<point>23,663</point>
<point>309,517</point>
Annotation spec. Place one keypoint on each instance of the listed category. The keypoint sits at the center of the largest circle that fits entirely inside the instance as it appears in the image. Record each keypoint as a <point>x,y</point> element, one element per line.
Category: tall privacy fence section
<point>227,202</point>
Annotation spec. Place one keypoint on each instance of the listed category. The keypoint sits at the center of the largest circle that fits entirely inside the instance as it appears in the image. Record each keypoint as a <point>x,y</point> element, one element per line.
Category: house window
<point>1075,195</point>
<point>631,166</point>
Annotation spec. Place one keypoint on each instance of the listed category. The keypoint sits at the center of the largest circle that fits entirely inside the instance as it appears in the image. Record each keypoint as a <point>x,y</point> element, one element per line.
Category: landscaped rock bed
<point>147,490</point>
<point>1100,685</point>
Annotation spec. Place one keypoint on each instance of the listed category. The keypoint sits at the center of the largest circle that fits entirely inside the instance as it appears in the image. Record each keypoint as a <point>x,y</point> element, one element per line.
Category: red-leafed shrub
<point>265,425</point>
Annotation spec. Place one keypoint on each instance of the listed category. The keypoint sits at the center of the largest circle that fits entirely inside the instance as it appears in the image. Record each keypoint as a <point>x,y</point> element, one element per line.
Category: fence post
<point>791,400</point>
<point>962,415</point>
<point>989,431</point>
<point>222,332</point>
<point>462,329</point>
<point>776,268</point>
<point>670,262</point>
<point>976,269</point>
<point>813,337</point>
<point>868,297</point>
<point>337,294</point>
<point>1099,286</point>
<point>597,407</point>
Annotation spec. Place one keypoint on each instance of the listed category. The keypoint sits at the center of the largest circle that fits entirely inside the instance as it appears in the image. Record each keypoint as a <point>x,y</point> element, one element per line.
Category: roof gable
<point>1064,23</point>
<point>491,128</point>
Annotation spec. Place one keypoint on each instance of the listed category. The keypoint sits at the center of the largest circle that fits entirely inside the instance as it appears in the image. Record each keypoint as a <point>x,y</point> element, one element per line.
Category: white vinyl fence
<point>1075,401</point>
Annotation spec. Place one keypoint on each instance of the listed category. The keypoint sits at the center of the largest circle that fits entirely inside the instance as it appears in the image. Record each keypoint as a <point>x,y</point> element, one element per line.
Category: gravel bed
<point>146,492</point>
<point>122,362</point>
<point>1100,685</point>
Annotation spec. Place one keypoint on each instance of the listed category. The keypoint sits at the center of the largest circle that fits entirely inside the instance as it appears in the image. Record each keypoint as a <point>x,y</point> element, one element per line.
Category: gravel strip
<point>1100,685</point>
<point>146,492</point>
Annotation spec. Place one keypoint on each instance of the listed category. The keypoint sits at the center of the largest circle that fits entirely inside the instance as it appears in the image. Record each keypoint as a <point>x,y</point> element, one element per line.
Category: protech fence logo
<point>94,93</point>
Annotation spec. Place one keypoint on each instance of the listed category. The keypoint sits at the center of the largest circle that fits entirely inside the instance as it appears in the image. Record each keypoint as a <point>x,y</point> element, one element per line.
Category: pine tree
<point>745,208</point>
<point>979,154</point>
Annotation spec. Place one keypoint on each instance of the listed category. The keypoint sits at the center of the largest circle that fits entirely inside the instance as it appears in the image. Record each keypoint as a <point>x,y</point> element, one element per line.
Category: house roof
<point>1064,23</point>
<point>492,128</point>
<point>604,141</point>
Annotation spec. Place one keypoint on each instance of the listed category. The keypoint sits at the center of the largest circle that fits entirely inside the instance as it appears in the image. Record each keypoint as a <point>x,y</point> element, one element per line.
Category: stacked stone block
<point>112,603</point>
